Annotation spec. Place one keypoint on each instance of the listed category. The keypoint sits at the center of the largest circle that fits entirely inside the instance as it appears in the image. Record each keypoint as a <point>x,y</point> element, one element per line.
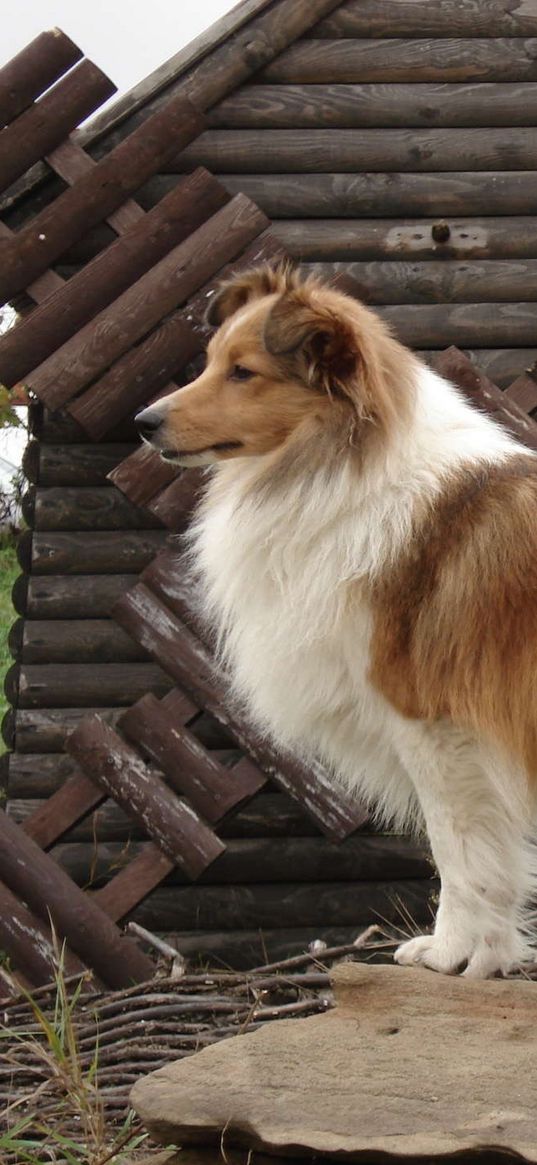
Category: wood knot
<point>441,232</point>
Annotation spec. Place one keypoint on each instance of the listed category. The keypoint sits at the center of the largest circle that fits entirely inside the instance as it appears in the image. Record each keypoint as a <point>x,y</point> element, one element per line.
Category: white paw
<point>480,959</point>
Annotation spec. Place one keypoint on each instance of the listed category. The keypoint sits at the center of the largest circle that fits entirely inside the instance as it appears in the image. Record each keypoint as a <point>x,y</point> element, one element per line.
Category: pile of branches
<point>122,1035</point>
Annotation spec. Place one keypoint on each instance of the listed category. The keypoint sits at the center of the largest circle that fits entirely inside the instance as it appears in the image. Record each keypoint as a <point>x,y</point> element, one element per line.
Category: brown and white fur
<point>367,545</point>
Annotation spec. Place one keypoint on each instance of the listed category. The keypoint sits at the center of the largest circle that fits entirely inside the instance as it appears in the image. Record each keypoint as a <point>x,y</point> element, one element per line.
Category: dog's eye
<point>240,373</point>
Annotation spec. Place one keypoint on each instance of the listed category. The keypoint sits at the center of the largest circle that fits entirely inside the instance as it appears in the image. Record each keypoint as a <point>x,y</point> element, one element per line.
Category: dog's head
<point>286,354</point>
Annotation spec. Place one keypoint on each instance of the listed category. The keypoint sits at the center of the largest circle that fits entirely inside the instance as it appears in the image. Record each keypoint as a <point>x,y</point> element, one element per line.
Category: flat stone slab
<point>409,1063</point>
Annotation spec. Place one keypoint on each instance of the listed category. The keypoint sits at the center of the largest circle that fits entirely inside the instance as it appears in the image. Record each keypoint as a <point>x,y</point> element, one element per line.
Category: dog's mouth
<point>182,454</point>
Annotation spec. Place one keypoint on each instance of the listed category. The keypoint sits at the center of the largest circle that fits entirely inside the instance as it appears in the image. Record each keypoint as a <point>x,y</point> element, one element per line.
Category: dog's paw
<point>481,959</point>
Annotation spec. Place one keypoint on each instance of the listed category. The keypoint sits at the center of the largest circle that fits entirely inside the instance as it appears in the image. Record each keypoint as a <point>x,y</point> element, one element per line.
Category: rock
<point>409,1063</point>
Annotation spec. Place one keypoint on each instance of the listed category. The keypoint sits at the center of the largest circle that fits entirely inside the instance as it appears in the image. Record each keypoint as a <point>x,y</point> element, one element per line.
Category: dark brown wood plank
<point>63,685</point>
<point>75,552</point>
<point>348,239</point>
<point>361,151</point>
<point>43,126</point>
<point>381,195</point>
<point>45,731</point>
<point>28,944</point>
<point>444,281</point>
<point>212,789</point>
<point>285,905</point>
<point>455,366</point>
<point>46,890</point>
<point>188,661</point>
<point>171,823</point>
<point>523,391</point>
<point>60,597</point>
<point>95,196</point>
<point>31,71</point>
<point>328,61</point>
<point>146,871</point>
<point>137,376</point>
<point>502,365</point>
<point>174,505</point>
<point>142,475</point>
<point>377,105</point>
<point>76,797</point>
<point>79,465</point>
<point>474,325</point>
<point>75,641</point>
<point>179,213</point>
<point>136,311</point>
<point>436,18</point>
<point>90,508</point>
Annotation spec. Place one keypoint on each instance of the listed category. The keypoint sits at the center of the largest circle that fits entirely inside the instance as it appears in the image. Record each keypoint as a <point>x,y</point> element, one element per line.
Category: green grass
<point>9,570</point>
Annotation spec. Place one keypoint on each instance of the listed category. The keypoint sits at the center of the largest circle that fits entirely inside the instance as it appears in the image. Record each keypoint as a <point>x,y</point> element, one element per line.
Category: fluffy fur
<point>367,545</point>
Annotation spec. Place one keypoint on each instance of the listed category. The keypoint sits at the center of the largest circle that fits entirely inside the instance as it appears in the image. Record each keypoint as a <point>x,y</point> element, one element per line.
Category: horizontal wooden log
<point>34,778</point>
<point>85,685</point>
<point>361,151</point>
<point>259,861</point>
<point>69,596</point>
<point>189,767</point>
<point>79,465</point>
<point>42,127</point>
<point>28,943</point>
<point>468,18</point>
<point>466,325</point>
<point>380,195</point>
<point>181,212</point>
<point>31,71</point>
<point>45,731</point>
<point>285,905</point>
<point>90,508</point>
<point>188,661</point>
<point>136,311</point>
<point>243,949</point>
<point>48,891</point>
<point>98,193</point>
<point>100,553</point>
<point>443,281</point>
<point>408,60</point>
<point>328,240</point>
<point>137,376</point>
<point>378,105</point>
<point>171,823</point>
<point>58,428</point>
<point>73,641</point>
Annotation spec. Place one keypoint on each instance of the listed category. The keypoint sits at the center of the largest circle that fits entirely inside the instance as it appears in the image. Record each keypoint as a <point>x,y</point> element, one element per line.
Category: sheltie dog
<point>367,546</point>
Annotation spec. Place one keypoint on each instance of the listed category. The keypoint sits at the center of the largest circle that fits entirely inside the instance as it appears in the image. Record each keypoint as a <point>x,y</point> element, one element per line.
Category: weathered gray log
<point>42,127</point>
<point>189,662</point>
<point>37,66</point>
<point>408,282</point>
<point>474,325</point>
<point>46,890</point>
<point>126,259</point>
<point>69,596</point>
<point>189,767</point>
<point>44,730</point>
<point>80,465</point>
<point>172,824</point>
<point>77,552</point>
<point>261,861</point>
<point>286,905</point>
<point>328,240</point>
<point>136,311</point>
<point>27,942</point>
<point>435,18</point>
<point>361,151</point>
<point>72,641</point>
<point>85,685</point>
<point>382,195</point>
<point>328,61</point>
<point>382,105</point>
<point>90,508</point>
<point>98,193</point>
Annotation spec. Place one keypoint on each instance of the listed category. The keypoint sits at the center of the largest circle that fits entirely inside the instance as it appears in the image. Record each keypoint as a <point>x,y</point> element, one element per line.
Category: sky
<point>126,38</point>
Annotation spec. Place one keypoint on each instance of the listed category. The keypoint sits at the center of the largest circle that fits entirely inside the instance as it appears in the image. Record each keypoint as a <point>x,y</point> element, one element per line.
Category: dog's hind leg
<point>477,822</point>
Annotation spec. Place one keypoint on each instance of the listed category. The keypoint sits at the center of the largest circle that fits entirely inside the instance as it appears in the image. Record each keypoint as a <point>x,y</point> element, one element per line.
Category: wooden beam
<point>429,18</point>
<point>86,553</point>
<point>349,239</point>
<point>64,685</point>
<point>407,282</point>
<point>469,326</point>
<point>407,60</point>
<point>90,508</point>
<point>31,71</point>
<point>64,597</point>
<point>75,641</point>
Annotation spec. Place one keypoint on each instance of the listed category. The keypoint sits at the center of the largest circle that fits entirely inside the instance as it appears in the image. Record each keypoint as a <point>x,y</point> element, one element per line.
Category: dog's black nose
<point>148,421</point>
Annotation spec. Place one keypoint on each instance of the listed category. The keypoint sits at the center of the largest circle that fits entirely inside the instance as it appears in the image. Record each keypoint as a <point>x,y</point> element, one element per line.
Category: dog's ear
<point>240,289</point>
<point>320,344</point>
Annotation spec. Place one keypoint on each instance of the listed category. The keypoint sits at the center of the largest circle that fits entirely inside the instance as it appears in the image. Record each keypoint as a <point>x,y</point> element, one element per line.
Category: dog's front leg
<point>476,824</point>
